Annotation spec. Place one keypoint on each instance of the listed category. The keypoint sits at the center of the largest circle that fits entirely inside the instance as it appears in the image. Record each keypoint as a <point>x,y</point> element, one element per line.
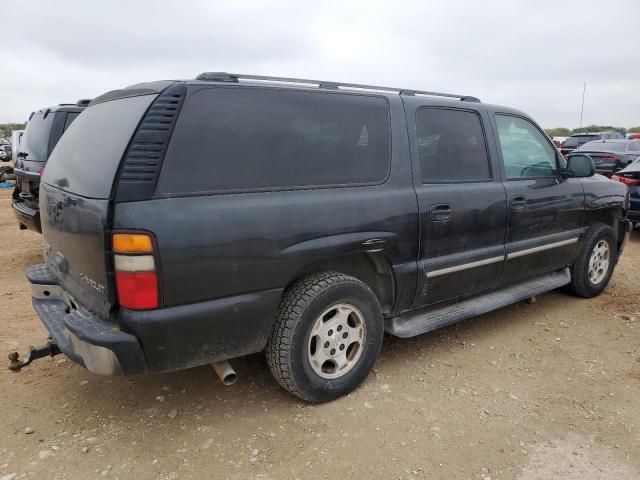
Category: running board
<point>412,324</point>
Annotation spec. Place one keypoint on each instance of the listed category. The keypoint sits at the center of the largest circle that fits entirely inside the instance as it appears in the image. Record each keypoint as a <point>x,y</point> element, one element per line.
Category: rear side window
<point>71,116</point>
<point>87,156</point>
<point>35,140</point>
<point>255,139</point>
<point>451,146</point>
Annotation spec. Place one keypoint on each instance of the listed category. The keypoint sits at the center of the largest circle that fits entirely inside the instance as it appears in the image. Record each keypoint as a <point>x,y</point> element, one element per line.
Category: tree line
<point>565,132</point>
<point>6,128</point>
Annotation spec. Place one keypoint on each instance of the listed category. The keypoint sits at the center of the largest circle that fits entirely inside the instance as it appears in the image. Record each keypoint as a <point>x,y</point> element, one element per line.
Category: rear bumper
<point>29,217</point>
<point>87,340</point>
<point>162,340</point>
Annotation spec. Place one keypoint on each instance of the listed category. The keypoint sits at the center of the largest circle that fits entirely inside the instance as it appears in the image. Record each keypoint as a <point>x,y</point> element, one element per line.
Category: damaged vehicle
<point>193,222</point>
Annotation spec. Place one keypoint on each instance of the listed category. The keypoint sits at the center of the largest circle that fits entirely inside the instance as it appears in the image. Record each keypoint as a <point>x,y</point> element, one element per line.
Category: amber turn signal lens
<point>132,243</point>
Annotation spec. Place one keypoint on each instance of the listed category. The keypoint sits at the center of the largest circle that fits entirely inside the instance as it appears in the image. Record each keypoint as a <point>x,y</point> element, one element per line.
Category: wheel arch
<point>372,269</point>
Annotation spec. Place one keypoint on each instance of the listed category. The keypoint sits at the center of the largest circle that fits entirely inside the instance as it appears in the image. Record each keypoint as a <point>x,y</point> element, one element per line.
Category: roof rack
<point>83,102</point>
<point>236,77</point>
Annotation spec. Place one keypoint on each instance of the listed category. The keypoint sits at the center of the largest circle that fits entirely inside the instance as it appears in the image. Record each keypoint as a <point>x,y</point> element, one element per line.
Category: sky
<point>532,55</point>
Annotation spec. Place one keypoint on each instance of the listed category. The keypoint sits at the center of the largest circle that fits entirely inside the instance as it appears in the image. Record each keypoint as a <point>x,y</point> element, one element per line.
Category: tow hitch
<point>48,350</point>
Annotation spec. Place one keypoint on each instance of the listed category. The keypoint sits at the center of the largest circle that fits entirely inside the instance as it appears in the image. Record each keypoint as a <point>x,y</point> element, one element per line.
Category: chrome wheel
<point>336,341</point>
<point>599,262</point>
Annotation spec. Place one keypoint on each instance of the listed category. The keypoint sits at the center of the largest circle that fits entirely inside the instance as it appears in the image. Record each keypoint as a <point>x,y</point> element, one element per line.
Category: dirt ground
<point>543,391</point>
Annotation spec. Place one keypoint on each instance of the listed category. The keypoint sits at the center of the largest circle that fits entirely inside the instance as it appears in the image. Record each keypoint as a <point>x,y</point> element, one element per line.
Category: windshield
<point>35,141</point>
<point>600,146</point>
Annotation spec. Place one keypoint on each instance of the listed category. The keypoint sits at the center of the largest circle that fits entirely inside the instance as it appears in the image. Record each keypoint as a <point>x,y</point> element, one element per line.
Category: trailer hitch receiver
<point>48,350</point>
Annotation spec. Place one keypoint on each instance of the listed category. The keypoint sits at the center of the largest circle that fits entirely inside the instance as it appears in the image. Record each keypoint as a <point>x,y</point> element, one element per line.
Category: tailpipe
<point>226,372</point>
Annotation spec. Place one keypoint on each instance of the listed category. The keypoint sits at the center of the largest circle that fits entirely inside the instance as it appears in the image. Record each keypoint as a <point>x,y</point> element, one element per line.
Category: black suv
<point>41,135</point>
<point>189,222</point>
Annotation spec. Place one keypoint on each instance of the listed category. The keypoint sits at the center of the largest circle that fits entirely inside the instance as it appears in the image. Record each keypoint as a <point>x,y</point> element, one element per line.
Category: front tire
<point>326,337</point>
<point>591,272</point>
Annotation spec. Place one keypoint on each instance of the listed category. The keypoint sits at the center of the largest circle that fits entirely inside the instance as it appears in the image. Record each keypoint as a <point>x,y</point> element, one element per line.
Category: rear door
<point>461,201</point>
<point>75,195</point>
<point>545,210</point>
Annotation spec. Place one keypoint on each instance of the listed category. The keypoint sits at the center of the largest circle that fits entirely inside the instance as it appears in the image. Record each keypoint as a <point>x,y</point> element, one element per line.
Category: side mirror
<point>580,166</point>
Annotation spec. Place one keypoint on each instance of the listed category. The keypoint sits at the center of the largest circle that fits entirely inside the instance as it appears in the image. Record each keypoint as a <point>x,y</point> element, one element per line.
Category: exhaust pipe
<point>226,372</point>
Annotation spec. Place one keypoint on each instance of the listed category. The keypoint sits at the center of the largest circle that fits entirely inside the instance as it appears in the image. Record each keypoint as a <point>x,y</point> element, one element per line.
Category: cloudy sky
<point>531,55</point>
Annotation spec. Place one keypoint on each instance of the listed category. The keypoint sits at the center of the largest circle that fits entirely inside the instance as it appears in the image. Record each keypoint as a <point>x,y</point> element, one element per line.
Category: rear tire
<point>326,337</point>
<point>592,270</point>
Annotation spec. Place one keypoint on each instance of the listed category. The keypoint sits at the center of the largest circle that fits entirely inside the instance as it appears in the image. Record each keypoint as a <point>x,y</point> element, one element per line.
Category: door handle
<point>440,212</point>
<point>518,204</point>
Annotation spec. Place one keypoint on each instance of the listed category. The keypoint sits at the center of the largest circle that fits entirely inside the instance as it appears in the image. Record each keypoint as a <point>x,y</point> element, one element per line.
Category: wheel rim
<point>599,262</point>
<point>336,341</point>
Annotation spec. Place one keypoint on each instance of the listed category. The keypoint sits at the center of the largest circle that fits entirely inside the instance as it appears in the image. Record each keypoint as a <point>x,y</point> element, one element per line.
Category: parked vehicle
<point>43,131</point>
<point>610,155</point>
<point>577,140</point>
<point>16,136</point>
<point>635,136</point>
<point>5,152</point>
<point>190,222</point>
<point>630,176</point>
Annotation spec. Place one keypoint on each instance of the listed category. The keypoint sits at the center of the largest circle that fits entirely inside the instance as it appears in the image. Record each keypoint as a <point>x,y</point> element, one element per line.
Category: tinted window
<point>87,156</point>
<point>255,138</point>
<point>526,152</point>
<point>35,140</point>
<point>451,146</point>
<point>577,140</point>
<point>600,146</point>
<point>69,120</point>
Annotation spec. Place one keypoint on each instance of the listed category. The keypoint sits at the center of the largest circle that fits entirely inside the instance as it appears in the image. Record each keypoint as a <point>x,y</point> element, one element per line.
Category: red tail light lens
<point>135,265</point>
<point>137,291</point>
<point>41,171</point>
<point>631,182</point>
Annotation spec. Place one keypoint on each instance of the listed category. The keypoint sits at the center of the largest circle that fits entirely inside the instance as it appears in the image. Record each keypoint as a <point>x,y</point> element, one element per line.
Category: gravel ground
<point>543,391</point>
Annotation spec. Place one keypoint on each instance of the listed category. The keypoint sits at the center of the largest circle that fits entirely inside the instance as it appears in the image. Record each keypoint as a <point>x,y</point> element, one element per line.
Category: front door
<point>545,210</point>
<point>462,204</point>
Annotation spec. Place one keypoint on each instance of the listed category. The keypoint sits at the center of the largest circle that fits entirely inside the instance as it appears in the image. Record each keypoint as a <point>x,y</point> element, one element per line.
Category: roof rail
<point>236,77</point>
<point>83,102</point>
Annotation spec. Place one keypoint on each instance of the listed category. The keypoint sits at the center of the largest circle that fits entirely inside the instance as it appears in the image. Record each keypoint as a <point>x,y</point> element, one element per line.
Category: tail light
<point>136,275</point>
<point>631,182</point>
<point>609,157</point>
<point>41,172</point>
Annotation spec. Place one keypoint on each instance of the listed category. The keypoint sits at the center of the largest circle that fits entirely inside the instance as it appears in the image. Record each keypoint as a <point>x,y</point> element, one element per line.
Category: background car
<point>578,139</point>
<point>630,176</point>
<point>41,135</point>
<point>16,136</point>
<point>611,155</point>
<point>5,152</point>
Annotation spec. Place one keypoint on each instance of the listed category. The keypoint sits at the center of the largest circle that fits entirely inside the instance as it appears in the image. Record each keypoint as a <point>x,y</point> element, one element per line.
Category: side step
<point>412,324</point>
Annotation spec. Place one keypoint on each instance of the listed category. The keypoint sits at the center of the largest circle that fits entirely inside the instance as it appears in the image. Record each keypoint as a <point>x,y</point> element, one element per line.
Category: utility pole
<point>584,89</point>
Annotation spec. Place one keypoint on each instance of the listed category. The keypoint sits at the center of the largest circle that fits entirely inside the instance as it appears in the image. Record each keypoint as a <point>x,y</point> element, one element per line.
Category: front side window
<point>451,146</point>
<point>250,139</point>
<point>526,152</point>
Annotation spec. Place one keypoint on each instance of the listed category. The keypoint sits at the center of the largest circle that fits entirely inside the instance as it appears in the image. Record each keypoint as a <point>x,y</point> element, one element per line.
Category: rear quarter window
<point>252,139</point>
<point>86,159</point>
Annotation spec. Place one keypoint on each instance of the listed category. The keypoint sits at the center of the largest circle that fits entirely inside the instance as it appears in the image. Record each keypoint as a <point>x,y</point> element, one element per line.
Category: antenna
<point>584,89</point>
